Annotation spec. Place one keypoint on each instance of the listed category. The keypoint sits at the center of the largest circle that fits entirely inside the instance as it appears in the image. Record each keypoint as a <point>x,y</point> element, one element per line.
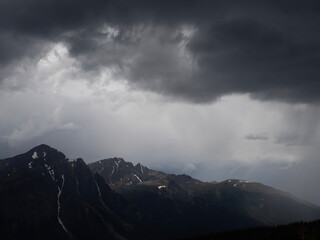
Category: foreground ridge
<point>294,231</point>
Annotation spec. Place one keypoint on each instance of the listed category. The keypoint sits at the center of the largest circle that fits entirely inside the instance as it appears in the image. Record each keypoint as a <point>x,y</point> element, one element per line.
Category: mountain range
<point>45,195</point>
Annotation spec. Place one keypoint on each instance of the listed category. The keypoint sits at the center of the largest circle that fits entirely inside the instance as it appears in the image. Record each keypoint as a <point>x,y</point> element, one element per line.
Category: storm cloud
<point>214,89</point>
<point>188,50</point>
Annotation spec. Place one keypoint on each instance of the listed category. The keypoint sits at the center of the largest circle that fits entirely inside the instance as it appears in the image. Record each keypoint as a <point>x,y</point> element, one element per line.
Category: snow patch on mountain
<point>117,164</point>
<point>58,202</point>
<point>112,171</point>
<point>137,177</point>
<point>50,171</point>
<point>98,189</point>
<point>35,155</point>
<point>243,181</point>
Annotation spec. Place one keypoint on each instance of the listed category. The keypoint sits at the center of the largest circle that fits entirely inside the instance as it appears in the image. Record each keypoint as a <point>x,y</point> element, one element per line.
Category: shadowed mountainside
<point>294,231</point>
<point>168,201</point>
<point>45,195</point>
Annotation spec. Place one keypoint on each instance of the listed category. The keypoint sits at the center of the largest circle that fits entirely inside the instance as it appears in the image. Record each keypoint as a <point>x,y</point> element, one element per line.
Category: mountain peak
<point>45,151</point>
<point>45,195</point>
<point>43,147</point>
<point>42,157</point>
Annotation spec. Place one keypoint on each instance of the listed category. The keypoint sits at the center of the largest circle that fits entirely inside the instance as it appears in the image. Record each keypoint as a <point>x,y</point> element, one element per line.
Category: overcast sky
<point>213,89</point>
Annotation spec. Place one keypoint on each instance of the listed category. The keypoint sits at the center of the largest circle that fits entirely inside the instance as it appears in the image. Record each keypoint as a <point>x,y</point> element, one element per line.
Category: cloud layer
<point>189,50</point>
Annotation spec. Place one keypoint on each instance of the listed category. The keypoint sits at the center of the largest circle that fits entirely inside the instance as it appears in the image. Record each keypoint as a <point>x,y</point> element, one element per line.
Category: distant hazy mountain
<point>45,195</point>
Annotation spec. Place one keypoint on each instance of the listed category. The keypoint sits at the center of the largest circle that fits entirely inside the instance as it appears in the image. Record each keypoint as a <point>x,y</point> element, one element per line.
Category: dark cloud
<point>255,137</point>
<point>269,49</point>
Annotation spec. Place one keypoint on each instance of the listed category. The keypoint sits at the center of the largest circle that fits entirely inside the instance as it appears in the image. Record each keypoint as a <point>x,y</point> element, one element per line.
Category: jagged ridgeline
<point>45,195</point>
